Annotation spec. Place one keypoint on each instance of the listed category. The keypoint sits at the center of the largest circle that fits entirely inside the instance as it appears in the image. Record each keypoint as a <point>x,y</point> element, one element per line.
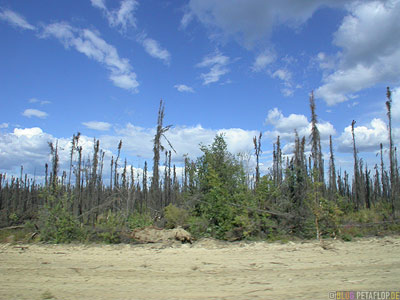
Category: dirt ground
<point>207,269</point>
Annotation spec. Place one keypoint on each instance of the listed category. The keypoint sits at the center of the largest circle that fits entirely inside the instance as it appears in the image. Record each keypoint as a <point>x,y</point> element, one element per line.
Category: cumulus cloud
<point>28,147</point>
<point>218,67</point>
<point>30,112</point>
<point>184,88</point>
<point>285,127</point>
<point>96,125</point>
<point>28,132</point>
<point>370,43</point>
<point>93,46</point>
<point>122,17</point>
<point>368,137</point>
<point>15,19</point>
<point>138,141</point>
<point>153,48</point>
<point>251,21</point>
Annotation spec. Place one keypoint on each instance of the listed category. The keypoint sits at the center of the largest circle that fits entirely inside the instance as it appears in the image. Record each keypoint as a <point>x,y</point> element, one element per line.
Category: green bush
<point>199,226</point>
<point>57,224</point>
<point>109,227</point>
<point>251,225</point>
<point>347,237</point>
<point>175,216</point>
<point>13,218</point>
<point>139,220</point>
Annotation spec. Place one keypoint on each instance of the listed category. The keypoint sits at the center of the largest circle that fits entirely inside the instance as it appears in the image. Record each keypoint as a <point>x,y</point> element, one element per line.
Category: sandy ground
<point>207,269</point>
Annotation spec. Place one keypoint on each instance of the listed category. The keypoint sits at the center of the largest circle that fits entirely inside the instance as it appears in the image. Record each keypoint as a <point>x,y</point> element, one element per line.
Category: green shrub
<point>175,216</point>
<point>139,220</point>
<point>347,237</point>
<point>13,218</point>
<point>109,227</point>
<point>198,226</point>
<point>251,225</point>
<point>57,224</point>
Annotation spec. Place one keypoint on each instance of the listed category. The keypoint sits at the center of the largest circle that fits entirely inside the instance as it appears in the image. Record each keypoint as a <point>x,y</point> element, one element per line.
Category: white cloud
<point>283,75</point>
<point>214,74</point>
<point>15,19</point>
<point>263,60</point>
<point>94,47</point>
<point>285,127</point>
<point>99,4</point>
<point>370,43</point>
<point>239,140</point>
<point>122,17</point>
<point>286,124</point>
<point>41,102</point>
<point>287,92</point>
<point>214,59</point>
<point>217,64</point>
<point>3,125</point>
<point>30,112</point>
<point>395,104</point>
<point>186,19</point>
<point>251,21</point>
<point>286,77</point>
<point>28,132</point>
<point>325,61</point>
<point>153,48</point>
<point>28,147</point>
<point>138,141</point>
<point>125,81</point>
<point>184,88</point>
<point>96,125</point>
<point>368,138</point>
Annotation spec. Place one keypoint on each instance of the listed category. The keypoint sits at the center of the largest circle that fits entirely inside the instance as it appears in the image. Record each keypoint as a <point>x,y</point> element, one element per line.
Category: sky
<point>237,67</point>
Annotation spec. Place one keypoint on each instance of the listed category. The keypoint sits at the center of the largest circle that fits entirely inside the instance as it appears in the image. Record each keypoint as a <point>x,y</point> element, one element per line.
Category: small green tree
<point>326,213</point>
<point>221,179</point>
<point>56,222</point>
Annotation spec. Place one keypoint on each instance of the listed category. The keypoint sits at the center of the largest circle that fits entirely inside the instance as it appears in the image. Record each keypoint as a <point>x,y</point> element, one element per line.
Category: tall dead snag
<point>74,142</point>
<point>377,186</point>
<point>332,169</point>
<point>392,193</point>
<point>78,187</point>
<point>111,173</point>
<point>93,180</point>
<point>144,184</point>
<point>316,152</point>
<point>116,181</point>
<point>356,184</point>
<point>257,150</point>
<point>54,163</point>
<point>160,132</point>
<point>367,187</point>
<point>383,176</point>
<point>277,163</point>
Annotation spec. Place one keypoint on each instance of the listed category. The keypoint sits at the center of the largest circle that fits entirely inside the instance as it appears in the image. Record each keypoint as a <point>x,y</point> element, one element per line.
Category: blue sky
<point>234,66</point>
